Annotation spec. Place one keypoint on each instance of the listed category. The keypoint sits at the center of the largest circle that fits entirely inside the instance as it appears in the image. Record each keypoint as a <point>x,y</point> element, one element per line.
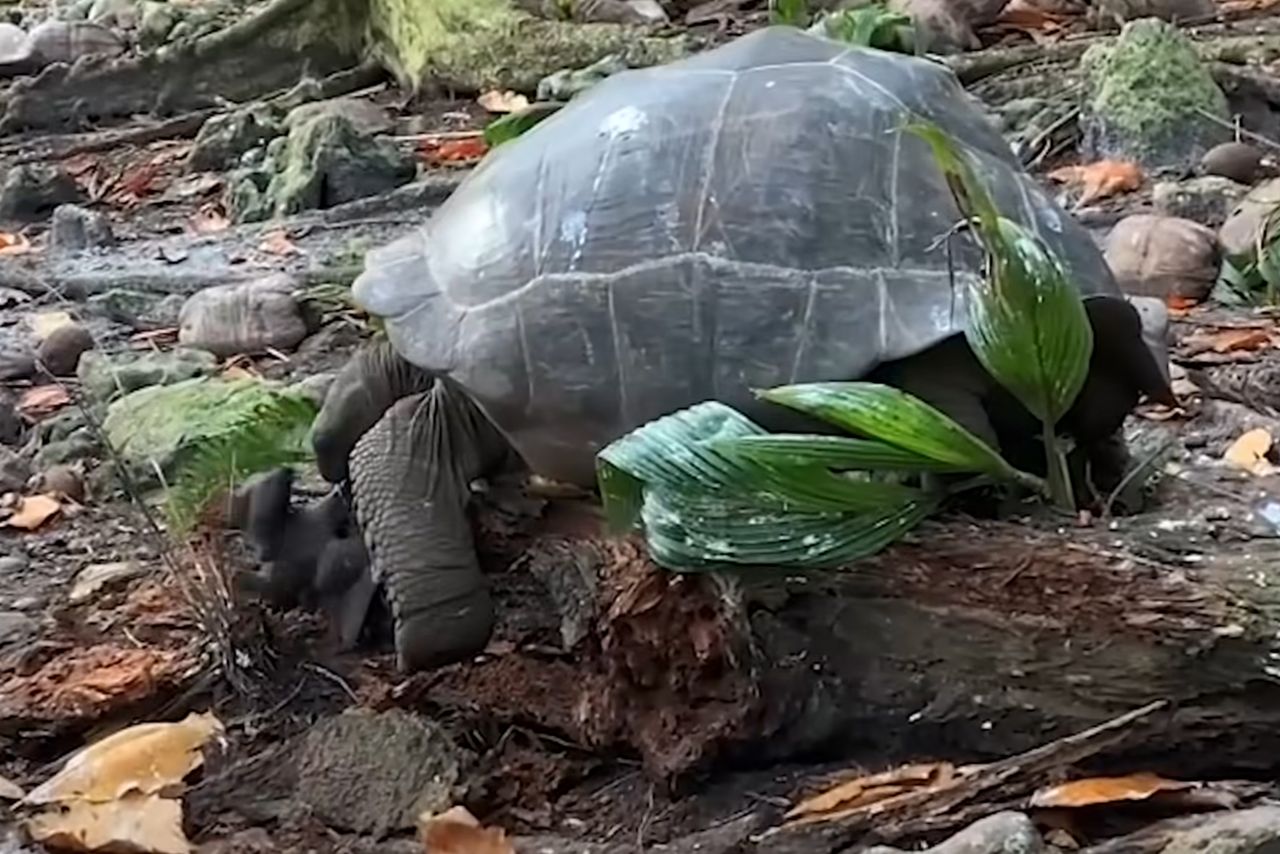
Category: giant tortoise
<point>745,218</point>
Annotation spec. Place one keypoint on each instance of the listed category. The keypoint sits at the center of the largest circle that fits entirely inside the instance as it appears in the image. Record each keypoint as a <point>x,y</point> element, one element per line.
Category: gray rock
<point>104,377</point>
<point>1249,831</point>
<point>158,20</point>
<point>97,577</point>
<point>68,41</point>
<point>11,426</point>
<point>13,564</point>
<point>59,353</point>
<point>14,471</point>
<point>1002,833</point>
<point>81,444</point>
<point>136,309</point>
<point>634,12</point>
<point>12,42</point>
<point>17,364</point>
<point>1208,199</point>
<point>564,84</point>
<point>75,228</point>
<point>366,115</point>
<point>223,140</point>
<point>16,626</point>
<point>32,192</point>
<point>115,13</point>
<point>1240,232</point>
<point>375,773</point>
<point>247,317</point>
<point>1114,13</point>
<point>1147,95</point>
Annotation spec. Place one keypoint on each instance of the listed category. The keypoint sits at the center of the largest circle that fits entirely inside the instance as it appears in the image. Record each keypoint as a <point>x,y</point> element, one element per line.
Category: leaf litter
<point>1100,180</point>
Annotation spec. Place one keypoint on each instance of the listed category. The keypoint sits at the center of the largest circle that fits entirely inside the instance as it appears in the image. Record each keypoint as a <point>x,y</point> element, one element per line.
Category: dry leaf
<point>209,219</point>
<point>150,758</point>
<point>1105,790</point>
<point>456,831</point>
<point>144,823</point>
<point>39,401</point>
<point>851,795</point>
<point>1227,340</point>
<point>496,101</point>
<point>1100,180</point>
<point>455,151</point>
<point>33,511</point>
<point>45,322</point>
<point>1249,452</point>
<point>9,790</point>
<point>13,244</point>
<point>92,682</point>
<point>278,243</point>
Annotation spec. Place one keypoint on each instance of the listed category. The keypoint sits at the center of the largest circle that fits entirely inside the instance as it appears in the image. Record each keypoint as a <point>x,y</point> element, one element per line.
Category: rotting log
<point>972,641</point>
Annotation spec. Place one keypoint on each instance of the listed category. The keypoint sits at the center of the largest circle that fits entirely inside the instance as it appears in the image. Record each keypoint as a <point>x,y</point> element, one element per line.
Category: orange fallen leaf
<point>850,796</point>
<point>456,150</point>
<point>1249,452</point>
<point>496,101</point>
<point>1100,180</point>
<point>1239,339</point>
<point>39,401</point>
<point>13,244</point>
<point>33,511</point>
<point>456,831</point>
<point>278,243</point>
<point>1105,790</point>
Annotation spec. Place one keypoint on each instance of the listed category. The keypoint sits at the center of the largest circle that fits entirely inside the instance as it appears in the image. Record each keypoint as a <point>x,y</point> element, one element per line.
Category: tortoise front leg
<point>409,479</point>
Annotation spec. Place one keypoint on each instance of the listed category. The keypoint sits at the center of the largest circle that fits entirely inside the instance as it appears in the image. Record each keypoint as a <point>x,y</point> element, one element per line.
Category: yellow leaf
<point>849,796</point>
<point>1105,790</point>
<point>149,758</point>
<point>33,511</point>
<point>136,822</point>
<point>1249,452</point>
<point>456,831</point>
<point>496,101</point>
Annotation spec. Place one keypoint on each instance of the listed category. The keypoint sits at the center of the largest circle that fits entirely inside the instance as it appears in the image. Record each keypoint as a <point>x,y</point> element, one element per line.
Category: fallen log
<point>973,641</point>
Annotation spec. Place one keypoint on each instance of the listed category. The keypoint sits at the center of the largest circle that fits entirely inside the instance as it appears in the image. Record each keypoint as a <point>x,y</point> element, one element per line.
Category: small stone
<point>1246,831</point>
<point>223,140</point>
<point>158,20</point>
<point>15,626</point>
<point>17,364</point>
<point>1114,13</point>
<point>60,352</point>
<point>32,192</point>
<point>14,471</point>
<point>97,577</point>
<point>26,603</point>
<point>1160,256</point>
<point>13,564</point>
<point>103,377</point>
<point>940,26</point>
<point>1002,833</point>
<point>633,12</point>
<point>74,228</point>
<point>114,13</point>
<point>1238,161</point>
<point>11,426</point>
<point>366,115</point>
<point>68,41</point>
<point>247,317</point>
<point>64,480</point>
<point>1240,233</point>
<point>136,309</point>
<point>12,42</point>
<point>1208,199</point>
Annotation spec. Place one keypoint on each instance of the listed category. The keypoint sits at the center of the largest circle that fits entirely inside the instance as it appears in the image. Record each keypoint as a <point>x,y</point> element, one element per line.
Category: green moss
<point>1149,93</point>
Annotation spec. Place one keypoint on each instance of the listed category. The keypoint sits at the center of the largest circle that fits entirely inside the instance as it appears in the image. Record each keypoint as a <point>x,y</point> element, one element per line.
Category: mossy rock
<point>154,427</point>
<point>104,376</point>
<point>1151,99</point>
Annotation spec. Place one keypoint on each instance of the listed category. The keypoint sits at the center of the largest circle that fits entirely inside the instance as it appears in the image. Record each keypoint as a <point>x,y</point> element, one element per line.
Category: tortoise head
<point>368,384</point>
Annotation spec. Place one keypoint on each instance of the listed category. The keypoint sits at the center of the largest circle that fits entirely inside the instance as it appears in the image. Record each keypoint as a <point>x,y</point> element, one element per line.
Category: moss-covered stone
<point>325,160</point>
<point>1150,98</point>
<point>223,140</point>
<point>102,376</point>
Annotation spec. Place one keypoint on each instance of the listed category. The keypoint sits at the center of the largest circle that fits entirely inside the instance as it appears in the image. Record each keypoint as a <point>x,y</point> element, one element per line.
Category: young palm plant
<point>711,488</point>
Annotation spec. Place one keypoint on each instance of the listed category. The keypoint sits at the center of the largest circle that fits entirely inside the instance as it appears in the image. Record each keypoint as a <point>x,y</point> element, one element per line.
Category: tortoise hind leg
<point>409,479</point>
